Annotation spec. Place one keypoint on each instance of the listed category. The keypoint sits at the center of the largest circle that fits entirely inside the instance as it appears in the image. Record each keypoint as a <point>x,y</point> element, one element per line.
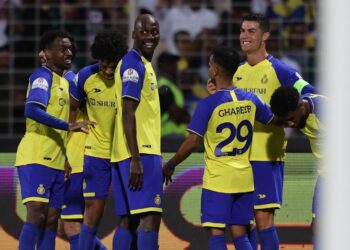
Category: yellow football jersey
<point>42,144</point>
<point>135,79</point>
<point>226,121</point>
<point>99,95</point>
<point>262,79</point>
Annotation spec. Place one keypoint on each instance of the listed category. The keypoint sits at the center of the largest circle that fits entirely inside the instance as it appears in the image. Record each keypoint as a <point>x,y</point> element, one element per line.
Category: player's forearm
<point>186,149</point>
<point>73,109</point>
<point>35,112</point>
<point>129,125</point>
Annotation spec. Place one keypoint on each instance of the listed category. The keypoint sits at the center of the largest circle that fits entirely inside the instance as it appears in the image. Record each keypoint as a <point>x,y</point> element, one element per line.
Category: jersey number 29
<point>235,133</point>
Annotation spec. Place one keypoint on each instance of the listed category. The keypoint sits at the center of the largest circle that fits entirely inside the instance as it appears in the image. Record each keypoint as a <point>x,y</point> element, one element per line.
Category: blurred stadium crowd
<point>190,29</point>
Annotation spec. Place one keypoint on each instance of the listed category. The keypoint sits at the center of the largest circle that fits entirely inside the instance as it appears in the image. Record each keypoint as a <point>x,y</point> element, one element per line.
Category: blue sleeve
<point>263,112</point>
<point>81,78</point>
<point>290,77</point>
<point>40,83</point>
<point>132,73</point>
<point>316,102</point>
<point>200,118</point>
<point>73,89</point>
<point>37,113</point>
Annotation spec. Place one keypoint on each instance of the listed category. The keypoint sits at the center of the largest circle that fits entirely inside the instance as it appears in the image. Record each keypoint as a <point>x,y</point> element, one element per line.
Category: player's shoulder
<point>279,65</point>
<point>69,75</point>
<point>243,95</point>
<point>85,73</point>
<point>132,57</point>
<point>89,70</point>
<point>131,62</point>
<point>42,72</point>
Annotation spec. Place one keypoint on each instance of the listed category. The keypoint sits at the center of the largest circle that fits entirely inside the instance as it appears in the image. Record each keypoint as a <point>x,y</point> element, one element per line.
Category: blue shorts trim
<point>268,184</point>
<point>149,198</point>
<point>221,209</point>
<point>97,178</point>
<point>41,183</point>
<point>73,201</point>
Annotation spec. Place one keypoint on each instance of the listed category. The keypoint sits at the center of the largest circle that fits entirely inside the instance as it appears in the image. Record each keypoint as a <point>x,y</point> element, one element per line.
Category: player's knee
<point>264,218</point>
<point>37,213</point>
<point>150,222</point>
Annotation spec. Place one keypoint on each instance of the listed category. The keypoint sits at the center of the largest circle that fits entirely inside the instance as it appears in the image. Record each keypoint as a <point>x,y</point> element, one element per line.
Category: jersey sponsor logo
<point>257,91</point>
<point>101,103</point>
<point>47,158</point>
<point>261,196</point>
<point>130,75</point>
<point>40,190</point>
<point>157,200</point>
<point>40,83</point>
<point>147,146</point>
<point>96,90</point>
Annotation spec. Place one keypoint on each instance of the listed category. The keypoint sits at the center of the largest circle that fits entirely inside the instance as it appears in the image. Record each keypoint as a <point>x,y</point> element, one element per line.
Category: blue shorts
<point>149,198</point>
<point>316,200</point>
<point>268,184</point>
<point>221,209</point>
<point>41,183</point>
<point>97,178</point>
<point>73,200</point>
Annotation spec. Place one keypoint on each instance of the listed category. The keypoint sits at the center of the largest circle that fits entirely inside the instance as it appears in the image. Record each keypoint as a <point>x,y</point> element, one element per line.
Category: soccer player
<point>302,112</point>
<point>261,74</point>
<point>41,153</point>
<point>137,174</point>
<point>73,206</point>
<point>225,120</point>
<point>96,90</point>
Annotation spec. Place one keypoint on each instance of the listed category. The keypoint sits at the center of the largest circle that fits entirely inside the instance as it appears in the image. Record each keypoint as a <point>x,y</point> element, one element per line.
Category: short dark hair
<point>263,21</point>
<point>227,58</point>
<point>50,36</point>
<point>284,100</point>
<point>109,45</point>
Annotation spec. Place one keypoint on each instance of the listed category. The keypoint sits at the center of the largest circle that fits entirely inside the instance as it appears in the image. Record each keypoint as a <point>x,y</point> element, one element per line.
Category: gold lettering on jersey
<point>234,111</point>
<point>258,91</point>
<point>101,103</point>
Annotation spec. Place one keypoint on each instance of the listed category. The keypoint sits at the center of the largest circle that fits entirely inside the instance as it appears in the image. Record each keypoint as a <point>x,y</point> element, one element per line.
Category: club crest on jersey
<point>264,79</point>
<point>40,190</point>
<point>40,83</point>
<point>63,101</point>
<point>84,184</point>
<point>157,200</point>
<point>154,86</point>
<point>130,75</point>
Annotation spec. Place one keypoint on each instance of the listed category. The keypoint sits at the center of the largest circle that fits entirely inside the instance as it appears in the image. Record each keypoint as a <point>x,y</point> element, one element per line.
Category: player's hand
<point>167,173</point>
<point>67,170</point>
<point>211,87</point>
<point>83,126</point>
<point>136,173</point>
